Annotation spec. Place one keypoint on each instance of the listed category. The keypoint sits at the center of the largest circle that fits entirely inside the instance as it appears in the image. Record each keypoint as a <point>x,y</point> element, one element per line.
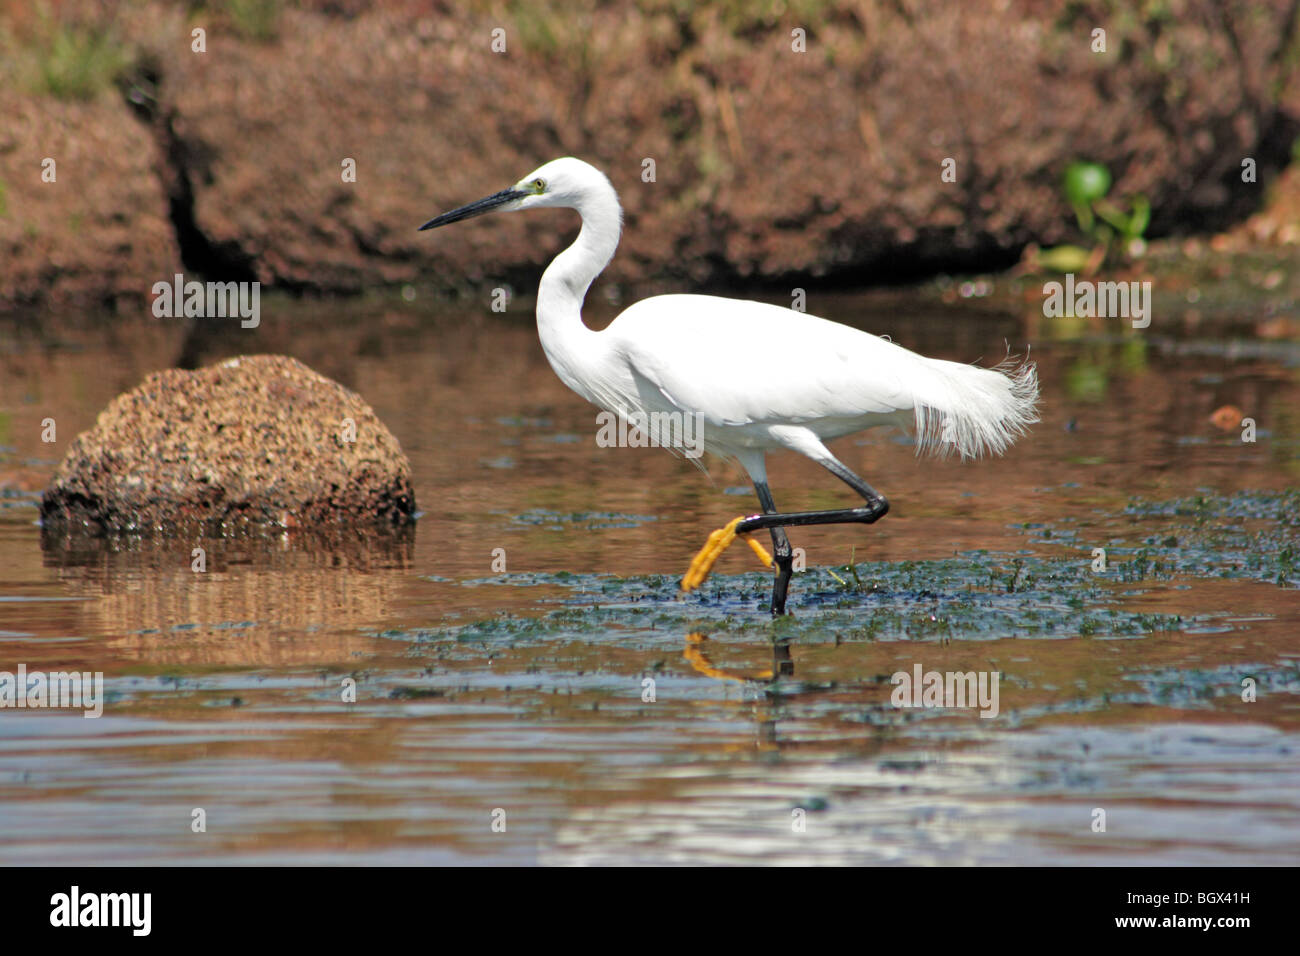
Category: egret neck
<point>570,346</point>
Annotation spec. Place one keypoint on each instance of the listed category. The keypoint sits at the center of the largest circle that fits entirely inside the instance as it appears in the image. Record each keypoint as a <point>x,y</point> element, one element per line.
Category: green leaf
<point>1086,182</point>
<point>1141,217</point>
<point>1064,258</point>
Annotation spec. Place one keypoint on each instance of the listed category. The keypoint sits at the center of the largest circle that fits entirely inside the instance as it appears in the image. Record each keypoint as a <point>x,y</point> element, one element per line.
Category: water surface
<point>522,693</point>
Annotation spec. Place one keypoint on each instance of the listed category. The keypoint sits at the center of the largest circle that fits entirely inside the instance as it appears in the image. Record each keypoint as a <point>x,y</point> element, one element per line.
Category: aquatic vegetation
<point>1051,592</point>
<point>972,597</point>
<point>587,520</point>
<point>1113,227</point>
<point>1084,184</point>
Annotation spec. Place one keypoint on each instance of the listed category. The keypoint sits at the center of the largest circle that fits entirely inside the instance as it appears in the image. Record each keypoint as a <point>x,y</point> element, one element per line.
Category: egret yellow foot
<point>718,542</point>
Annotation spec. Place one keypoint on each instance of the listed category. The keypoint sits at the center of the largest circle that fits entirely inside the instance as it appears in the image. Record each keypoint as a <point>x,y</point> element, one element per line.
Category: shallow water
<point>523,691</point>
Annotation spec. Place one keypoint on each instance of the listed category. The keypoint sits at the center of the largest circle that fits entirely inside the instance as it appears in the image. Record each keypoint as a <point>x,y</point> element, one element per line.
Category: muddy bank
<point>770,164</point>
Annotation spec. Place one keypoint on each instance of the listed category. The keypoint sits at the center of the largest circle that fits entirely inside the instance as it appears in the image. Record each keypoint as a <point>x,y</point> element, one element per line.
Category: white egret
<point>757,377</point>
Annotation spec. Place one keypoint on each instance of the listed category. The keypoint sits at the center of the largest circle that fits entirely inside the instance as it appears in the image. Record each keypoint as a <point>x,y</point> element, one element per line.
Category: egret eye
<point>539,185</point>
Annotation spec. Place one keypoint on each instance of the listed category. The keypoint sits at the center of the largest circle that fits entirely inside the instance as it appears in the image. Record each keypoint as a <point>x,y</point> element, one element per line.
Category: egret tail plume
<point>974,411</point>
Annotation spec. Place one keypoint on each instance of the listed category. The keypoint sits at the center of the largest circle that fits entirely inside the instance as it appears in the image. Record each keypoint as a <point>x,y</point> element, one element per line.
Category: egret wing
<point>740,362</point>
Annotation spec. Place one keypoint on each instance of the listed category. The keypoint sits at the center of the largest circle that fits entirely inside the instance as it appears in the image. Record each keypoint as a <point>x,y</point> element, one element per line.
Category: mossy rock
<point>255,443</point>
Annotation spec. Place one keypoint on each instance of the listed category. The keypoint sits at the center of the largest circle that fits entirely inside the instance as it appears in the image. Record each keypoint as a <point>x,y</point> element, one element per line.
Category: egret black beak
<point>495,201</point>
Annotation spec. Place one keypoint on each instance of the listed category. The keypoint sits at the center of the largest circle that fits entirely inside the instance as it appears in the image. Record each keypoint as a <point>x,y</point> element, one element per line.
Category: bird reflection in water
<point>764,681</point>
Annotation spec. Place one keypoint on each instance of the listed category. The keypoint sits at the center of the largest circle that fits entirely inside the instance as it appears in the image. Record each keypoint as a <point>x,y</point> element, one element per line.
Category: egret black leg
<point>876,507</point>
<point>781,552</point>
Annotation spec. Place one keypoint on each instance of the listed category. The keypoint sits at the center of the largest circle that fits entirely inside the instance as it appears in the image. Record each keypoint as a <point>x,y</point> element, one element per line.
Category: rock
<point>257,442</point>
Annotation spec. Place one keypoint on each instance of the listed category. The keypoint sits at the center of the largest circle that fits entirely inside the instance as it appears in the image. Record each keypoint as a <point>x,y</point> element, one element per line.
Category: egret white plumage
<point>758,377</point>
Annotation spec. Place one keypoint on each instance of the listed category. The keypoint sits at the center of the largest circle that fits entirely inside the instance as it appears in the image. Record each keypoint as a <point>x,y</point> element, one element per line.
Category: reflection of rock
<point>258,602</point>
<point>260,441</point>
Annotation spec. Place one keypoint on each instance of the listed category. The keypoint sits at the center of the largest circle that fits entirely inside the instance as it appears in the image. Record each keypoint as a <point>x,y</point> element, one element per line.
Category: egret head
<point>563,182</point>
